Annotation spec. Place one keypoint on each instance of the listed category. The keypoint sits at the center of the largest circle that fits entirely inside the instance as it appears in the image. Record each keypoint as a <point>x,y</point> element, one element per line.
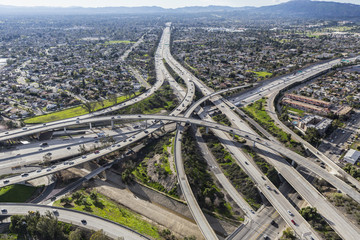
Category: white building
<point>352,156</point>
<point>313,121</point>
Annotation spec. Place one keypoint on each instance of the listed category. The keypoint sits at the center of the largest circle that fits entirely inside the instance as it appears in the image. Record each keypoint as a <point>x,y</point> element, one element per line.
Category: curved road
<point>111,228</point>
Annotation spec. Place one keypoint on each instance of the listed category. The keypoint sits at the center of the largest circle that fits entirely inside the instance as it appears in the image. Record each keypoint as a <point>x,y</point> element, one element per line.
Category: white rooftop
<point>352,156</point>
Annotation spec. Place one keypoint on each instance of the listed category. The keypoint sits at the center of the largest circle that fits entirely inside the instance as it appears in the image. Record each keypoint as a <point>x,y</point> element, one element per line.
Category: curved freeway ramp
<point>93,222</point>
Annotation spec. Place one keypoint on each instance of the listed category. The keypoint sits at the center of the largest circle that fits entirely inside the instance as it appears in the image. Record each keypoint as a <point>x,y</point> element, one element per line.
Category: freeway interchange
<point>270,147</point>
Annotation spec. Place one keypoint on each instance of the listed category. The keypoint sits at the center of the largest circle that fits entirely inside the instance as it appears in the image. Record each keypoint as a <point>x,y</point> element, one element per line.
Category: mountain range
<point>294,8</point>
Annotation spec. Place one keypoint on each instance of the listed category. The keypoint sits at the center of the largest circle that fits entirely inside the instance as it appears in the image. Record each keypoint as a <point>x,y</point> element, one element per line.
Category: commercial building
<point>321,124</point>
<point>352,156</point>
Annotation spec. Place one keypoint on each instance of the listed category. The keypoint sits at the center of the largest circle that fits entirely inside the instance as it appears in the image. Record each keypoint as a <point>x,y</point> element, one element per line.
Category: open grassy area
<point>100,205</point>
<point>16,193</point>
<point>240,180</point>
<point>262,74</point>
<point>118,42</point>
<point>71,112</point>
<point>163,99</point>
<point>157,147</point>
<point>298,112</point>
<point>257,111</point>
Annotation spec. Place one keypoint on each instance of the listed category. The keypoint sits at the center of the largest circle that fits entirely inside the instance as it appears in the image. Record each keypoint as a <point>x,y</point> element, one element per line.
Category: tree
<point>113,98</point>
<point>288,234</point>
<point>312,136</point>
<point>48,227</point>
<point>142,89</point>
<point>76,235</point>
<point>99,235</point>
<point>89,106</point>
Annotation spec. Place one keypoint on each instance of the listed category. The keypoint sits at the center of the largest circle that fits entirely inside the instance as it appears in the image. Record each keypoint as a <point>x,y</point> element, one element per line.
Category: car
<point>71,163</point>
<point>136,126</point>
<point>97,151</point>
<point>66,163</point>
<point>112,117</point>
<point>139,116</point>
<point>44,144</point>
<point>40,149</point>
<point>82,137</point>
<point>290,213</point>
<point>6,132</point>
<point>55,212</point>
<point>268,187</point>
<point>38,171</point>
<point>293,221</point>
<point>146,131</point>
<point>130,140</point>
<point>3,210</point>
<point>25,128</point>
<point>84,221</point>
<point>44,124</point>
<point>6,181</point>
<point>24,175</point>
<point>53,166</point>
<point>68,148</point>
<point>48,154</point>
<point>77,121</point>
<point>265,237</point>
<point>48,169</point>
<point>246,163</point>
<point>96,141</point>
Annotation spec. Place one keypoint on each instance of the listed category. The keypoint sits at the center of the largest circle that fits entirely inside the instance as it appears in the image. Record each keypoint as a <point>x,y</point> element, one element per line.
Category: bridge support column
<point>146,124</point>
<point>112,124</point>
<point>90,125</point>
<point>207,129</point>
<point>64,129</point>
<point>292,163</point>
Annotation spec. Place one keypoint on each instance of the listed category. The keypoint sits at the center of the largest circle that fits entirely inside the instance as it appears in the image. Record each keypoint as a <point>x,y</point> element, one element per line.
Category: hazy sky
<point>162,3</point>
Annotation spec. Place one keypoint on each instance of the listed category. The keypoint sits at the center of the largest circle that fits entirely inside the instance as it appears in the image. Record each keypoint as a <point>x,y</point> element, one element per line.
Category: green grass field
<point>71,112</point>
<point>16,193</point>
<point>111,210</point>
<point>257,111</point>
<point>262,74</point>
<point>299,112</point>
